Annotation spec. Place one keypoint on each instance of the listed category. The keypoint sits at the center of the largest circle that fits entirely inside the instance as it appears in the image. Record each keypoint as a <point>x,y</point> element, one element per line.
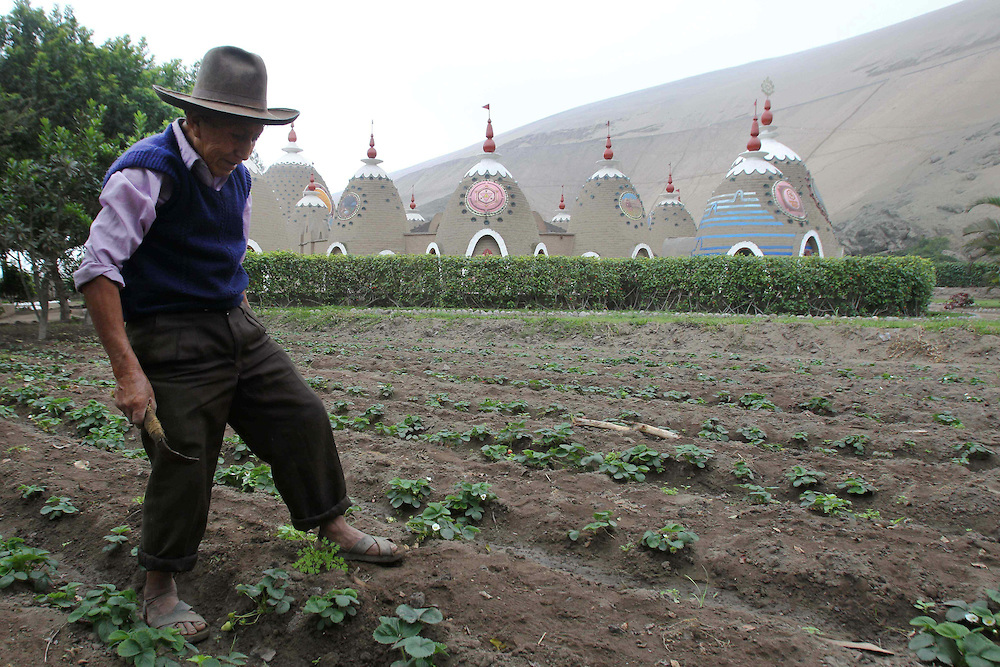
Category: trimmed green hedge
<point>848,286</point>
<point>966,274</point>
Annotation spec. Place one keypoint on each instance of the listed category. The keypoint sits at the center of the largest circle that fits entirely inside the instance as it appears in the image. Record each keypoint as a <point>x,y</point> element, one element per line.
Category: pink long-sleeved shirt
<point>128,207</point>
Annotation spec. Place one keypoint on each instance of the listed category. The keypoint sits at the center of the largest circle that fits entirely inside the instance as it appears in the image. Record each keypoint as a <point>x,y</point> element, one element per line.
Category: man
<point>165,288</point>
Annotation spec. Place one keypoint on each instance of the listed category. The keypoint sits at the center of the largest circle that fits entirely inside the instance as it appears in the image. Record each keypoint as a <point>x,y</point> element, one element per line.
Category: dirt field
<point>766,584</point>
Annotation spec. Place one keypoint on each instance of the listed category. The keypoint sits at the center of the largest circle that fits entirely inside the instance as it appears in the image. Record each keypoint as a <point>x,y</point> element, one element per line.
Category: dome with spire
<point>562,218</point>
<point>755,210</point>
<point>488,213</point>
<point>608,216</point>
<point>671,227</point>
<point>369,218</point>
<point>799,178</point>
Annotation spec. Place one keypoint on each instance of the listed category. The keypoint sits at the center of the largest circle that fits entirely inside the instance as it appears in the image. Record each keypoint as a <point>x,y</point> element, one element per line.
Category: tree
<point>984,237</point>
<point>44,211</point>
<point>67,107</point>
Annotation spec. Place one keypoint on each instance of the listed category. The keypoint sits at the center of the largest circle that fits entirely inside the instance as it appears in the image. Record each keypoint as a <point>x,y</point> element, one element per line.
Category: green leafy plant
<point>107,609</point>
<point>971,450</point>
<point>800,438</point>
<point>57,507</point>
<point>269,596</point>
<point>410,492</point>
<point>753,434</point>
<point>948,419</point>
<point>857,486</point>
<point>514,435</point>
<point>30,565</point>
<point>827,503</point>
<point>385,390</point>
<point>320,556</point>
<point>470,498</point>
<point>819,405</point>
<point>403,632</point>
<point>857,442</point>
<point>759,495</point>
<point>672,537</point>
<point>144,646</point>
<point>410,428</point>
<point>436,521</point>
<point>29,491</point>
<point>64,597</point>
<point>696,456</point>
<point>247,477</point>
<point>613,465</point>
<point>332,607</point>
<point>117,538</point>
<point>712,429</point>
<point>800,476</point>
<point>965,638</point>
<point>603,522</point>
<point>754,401</point>
<point>644,456</point>
<point>742,471</point>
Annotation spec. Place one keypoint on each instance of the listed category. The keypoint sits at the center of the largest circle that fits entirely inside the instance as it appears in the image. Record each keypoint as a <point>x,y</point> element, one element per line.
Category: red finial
<point>562,199</point>
<point>670,178</point>
<point>754,143</point>
<point>489,145</point>
<point>608,153</point>
<point>371,143</point>
<point>767,116</point>
<point>291,134</point>
<point>413,202</point>
<point>312,183</point>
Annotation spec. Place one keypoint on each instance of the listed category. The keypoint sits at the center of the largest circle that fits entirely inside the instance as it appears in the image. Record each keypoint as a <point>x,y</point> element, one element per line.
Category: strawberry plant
<point>802,476</point>
<point>57,507</point>
<point>64,597</point>
<point>857,442</point>
<point>470,498</point>
<point>436,521</point>
<point>27,564</point>
<point>408,492</point>
<point>29,491</point>
<point>755,401</point>
<point>332,607</point>
<point>969,450</point>
<point>572,453</point>
<point>118,537</point>
<point>696,456</point>
<point>641,455</point>
<point>403,632</point>
<point>107,608</point>
<point>742,471</point>
<point>496,452</point>
<point>557,435</point>
<point>712,429</point>
<point>964,639</point>
<point>145,646</point>
<point>268,595</point>
<point>857,486</point>
<point>410,428</point>
<point>759,495</point>
<point>948,419</point>
<point>613,465</point>
<point>827,503</point>
<point>514,435</point>
<point>672,537</point>
<point>385,390</point>
<point>533,459</point>
<point>819,405</point>
<point>602,522</point>
<point>753,435</point>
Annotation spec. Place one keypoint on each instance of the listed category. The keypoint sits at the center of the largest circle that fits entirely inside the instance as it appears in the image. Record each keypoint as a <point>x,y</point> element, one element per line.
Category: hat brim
<point>273,116</point>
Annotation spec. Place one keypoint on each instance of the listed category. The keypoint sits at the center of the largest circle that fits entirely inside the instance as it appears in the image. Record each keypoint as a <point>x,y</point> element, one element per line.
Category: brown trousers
<point>208,369</point>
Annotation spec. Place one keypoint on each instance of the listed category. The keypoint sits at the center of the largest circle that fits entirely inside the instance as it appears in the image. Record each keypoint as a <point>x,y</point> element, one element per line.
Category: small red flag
<point>487,107</point>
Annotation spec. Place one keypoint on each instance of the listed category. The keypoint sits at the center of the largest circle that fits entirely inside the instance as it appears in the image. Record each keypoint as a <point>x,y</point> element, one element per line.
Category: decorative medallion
<point>349,206</point>
<point>631,206</point>
<point>486,198</point>
<point>788,200</point>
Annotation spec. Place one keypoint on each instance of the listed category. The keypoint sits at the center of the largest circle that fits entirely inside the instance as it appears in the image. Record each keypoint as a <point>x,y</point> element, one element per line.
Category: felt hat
<point>230,81</point>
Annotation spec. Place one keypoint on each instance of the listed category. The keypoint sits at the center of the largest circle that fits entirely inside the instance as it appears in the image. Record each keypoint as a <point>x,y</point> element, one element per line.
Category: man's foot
<point>355,545</point>
<point>161,608</point>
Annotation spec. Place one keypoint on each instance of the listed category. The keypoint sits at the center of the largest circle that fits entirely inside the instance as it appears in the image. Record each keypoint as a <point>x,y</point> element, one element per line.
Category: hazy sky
<point>423,70</point>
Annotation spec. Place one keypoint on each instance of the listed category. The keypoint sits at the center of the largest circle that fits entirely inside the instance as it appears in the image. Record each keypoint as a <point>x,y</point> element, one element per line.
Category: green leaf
<point>418,647</point>
<point>952,630</point>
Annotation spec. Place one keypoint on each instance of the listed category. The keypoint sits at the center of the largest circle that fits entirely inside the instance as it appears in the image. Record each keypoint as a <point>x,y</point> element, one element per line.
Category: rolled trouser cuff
<point>314,521</point>
<point>154,564</point>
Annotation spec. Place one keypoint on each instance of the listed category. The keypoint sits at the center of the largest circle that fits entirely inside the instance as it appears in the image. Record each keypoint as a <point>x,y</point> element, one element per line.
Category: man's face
<point>223,144</point>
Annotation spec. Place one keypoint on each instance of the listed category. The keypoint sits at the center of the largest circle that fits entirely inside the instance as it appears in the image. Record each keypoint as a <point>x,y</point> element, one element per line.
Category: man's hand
<point>133,394</point>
